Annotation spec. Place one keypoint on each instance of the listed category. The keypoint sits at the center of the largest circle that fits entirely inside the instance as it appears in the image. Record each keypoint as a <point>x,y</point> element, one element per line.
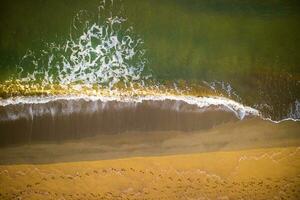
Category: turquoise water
<point>247,50</point>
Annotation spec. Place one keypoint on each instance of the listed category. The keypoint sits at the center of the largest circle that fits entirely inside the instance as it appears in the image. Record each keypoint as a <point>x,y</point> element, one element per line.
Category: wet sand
<point>235,135</point>
<point>250,174</point>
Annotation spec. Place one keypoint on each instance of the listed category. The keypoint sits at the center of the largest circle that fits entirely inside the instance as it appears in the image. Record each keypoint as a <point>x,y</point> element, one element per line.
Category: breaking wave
<point>200,103</point>
<point>28,119</point>
<point>56,118</point>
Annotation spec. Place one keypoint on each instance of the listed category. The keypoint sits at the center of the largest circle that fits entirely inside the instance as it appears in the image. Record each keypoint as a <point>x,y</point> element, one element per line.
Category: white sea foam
<point>294,110</point>
<point>201,102</point>
<point>223,87</point>
<point>104,54</point>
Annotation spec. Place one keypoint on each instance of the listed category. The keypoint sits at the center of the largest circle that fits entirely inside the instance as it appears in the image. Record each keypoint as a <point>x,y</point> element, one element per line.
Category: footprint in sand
<point>132,169</point>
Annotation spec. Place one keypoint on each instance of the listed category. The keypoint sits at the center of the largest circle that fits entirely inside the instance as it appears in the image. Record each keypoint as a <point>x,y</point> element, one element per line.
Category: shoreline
<point>246,134</point>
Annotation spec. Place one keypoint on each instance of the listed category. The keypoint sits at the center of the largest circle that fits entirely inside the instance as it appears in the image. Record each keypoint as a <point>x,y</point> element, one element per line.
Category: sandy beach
<point>249,159</point>
<point>270,173</point>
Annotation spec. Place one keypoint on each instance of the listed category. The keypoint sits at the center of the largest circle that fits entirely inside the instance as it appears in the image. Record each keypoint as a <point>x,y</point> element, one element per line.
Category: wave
<point>24,119</point>
<point>9,105</point>
<point>201,103</point>
<point>56,118</point>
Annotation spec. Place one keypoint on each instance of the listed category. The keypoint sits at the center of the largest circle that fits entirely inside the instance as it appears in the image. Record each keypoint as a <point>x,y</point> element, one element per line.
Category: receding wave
<point>34,118</point>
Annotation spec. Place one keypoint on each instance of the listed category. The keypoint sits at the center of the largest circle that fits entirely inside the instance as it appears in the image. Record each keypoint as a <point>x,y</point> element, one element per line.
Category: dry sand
<point>270,173</point>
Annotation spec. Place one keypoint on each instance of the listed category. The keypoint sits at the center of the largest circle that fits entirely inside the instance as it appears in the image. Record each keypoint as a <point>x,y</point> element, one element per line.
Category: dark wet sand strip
<point>237,135</point>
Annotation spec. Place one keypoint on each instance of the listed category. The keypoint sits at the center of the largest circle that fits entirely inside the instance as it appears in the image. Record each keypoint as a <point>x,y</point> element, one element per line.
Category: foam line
<point>201,102</point>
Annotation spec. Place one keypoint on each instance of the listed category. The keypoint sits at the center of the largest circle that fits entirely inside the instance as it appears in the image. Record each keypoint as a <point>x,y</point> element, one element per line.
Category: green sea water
<point>249,47</point>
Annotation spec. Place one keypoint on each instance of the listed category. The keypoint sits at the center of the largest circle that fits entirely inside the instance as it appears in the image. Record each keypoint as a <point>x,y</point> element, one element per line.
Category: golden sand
<point>271,173</point>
